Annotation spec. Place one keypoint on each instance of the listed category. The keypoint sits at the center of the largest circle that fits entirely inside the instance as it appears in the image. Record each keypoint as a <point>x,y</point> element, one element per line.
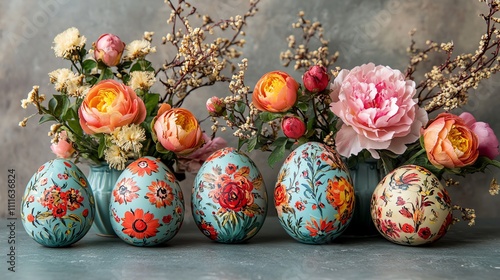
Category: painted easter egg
<point>411,207</point>
<point>229,198</point>
<point>147,205</point>
<point>314,195</point>
<point>57,208</point>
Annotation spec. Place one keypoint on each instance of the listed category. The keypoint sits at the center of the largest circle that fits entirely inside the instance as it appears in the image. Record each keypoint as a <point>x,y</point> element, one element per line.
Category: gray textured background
<point>362,30</point>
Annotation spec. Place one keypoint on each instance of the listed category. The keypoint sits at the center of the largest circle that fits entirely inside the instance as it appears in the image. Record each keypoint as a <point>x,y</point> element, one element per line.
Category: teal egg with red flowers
<point>229,198</point>
<point>57,208</point>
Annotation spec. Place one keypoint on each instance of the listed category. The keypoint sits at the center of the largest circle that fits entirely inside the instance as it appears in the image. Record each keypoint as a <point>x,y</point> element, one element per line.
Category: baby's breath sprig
<point>446,86</point>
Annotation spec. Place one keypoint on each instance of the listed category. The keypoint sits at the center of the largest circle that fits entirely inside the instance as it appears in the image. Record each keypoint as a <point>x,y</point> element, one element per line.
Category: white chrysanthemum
<point>67,42</point>
<point>142,80</point>
<point>65,80</point>
<point>137,49</point>
<point>129,138</point>
<point>115,157</point>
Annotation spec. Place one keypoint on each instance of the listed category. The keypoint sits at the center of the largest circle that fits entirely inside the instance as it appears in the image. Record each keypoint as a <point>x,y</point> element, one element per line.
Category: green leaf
<point>302,106</point>
<point>279,152</point>
<point>240,107</point>
<point>252,142</point>
<point>52,105</point>
<point>107,74</point>
<point>268,116</point>
<point>142,65</point>
<point>88,65</point>
<point>46,118</point>
<point>242,142</point>
<point>125,64</point>
<point>102,146</point>
<point>151,101</point>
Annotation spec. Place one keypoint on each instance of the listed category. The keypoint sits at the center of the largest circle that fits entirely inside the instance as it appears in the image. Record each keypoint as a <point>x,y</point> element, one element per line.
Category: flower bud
<point>63,148</point>
<point>215,106</point>
<point>108,49</point>
<point>293,127</point>
<point>316,79</point>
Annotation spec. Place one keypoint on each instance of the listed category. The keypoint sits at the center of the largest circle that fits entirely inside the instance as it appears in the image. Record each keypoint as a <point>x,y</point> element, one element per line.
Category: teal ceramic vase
<point>365,176</point>
<point>102,180</point>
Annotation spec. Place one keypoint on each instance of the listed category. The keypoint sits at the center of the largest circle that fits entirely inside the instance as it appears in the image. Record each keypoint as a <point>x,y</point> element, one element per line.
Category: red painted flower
<point>59,210</point>
<point>389,228</point>
<point>140,225</point>
<point>405,212</point>
<point>178,210</point>
<point>85,212</point>
<point>446,224</point>
<point>167,219</point>
<point>300,205</point>
<point>407,228</point>
<point>280,195</point>
<point>319,229</point>
<point>83,182</point>
<point>44,181</point>
<point>30,198</point>
<point>51,197</point>
<point>73,199</point>
<point>231,168</point>
<point>143,166</point>
<point>208,229</point>
<point>67,164</point>
<point>233,193</point>
<point>424,232</point>
<point>125,191</point>
<point>30,218</point>
<point>220,153</point>
<point>160,194</point>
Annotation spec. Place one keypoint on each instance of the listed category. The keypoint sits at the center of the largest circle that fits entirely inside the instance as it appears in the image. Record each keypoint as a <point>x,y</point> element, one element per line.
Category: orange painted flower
<point>208,230</point>
<point>449,142</point>
<point>340,194</point>
<point>143,166</point>
<point>280,195</point>
<point>319,229</point>
<point>140,225</point>
<point>110,104</point>
<point>177,130</point>
<point>275,92</point>
<point>125,191</point>
<point>30,218</point>
<point>73,199</point>
<point>160,194</point>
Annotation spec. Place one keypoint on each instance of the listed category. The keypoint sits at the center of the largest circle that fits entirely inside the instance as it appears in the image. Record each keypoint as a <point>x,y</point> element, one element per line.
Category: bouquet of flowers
<point>106,108</point>
<point>371,111</point>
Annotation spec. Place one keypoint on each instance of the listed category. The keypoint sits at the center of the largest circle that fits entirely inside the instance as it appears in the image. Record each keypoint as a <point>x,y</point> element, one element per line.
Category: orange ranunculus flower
<point>275,92</point>
<point>449,142</point>
<point>178,130</point>
<point>110,104</point>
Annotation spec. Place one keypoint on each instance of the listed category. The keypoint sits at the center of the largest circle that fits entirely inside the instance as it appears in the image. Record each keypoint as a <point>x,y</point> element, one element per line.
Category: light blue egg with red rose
<point>314,195</point>
<point>57,208</point>
<point>229,198</point>
<point>147,204</point>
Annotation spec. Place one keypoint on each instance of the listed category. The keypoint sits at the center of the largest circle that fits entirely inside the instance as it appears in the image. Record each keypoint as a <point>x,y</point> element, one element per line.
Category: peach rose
<point>178,130</point>
<point>275,92</point>
<point>63,148</point>
<point>449,142</point>
<point>110,104</point>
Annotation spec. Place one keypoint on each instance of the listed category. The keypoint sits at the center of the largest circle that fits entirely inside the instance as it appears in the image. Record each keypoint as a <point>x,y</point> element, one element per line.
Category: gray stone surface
<point>363,31</point>
<point>463,253</point>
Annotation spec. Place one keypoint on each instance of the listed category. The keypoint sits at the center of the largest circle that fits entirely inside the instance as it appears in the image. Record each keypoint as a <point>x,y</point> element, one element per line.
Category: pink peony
<point>488,142</point>
<point>376,106</point>
<point>109,49</point>
<point>63,148</point>
<point>192,162</point>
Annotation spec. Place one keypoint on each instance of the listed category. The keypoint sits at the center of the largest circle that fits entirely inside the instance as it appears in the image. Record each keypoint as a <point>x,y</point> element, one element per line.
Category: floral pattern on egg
<point>229,199</point>
<point>147,205</point>
<point>57,208</point>
<point>411,207</point>
<point>314,195</point>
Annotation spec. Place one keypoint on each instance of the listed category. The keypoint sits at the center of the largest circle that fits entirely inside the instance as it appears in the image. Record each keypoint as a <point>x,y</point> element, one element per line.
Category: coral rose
<point>108,49</point>
<point>110,104</point>
<point>488,141</point>
<point>449,142</point>
<point>178,130</point>
<point>275,92</point>
<point>376,106</point>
